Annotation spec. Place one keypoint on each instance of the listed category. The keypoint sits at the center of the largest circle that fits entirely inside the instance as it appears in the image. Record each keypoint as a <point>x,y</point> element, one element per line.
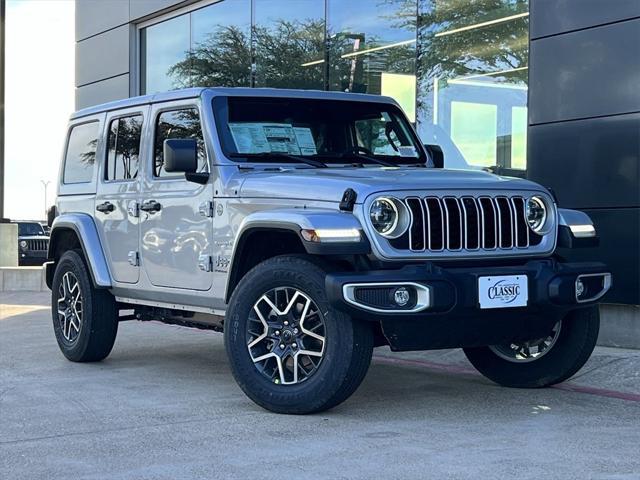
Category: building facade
<point>545,89</point>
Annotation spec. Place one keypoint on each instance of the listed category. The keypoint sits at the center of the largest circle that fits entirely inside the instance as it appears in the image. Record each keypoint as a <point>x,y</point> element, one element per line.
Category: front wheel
<point>289,350</point>
<point>544,361</point>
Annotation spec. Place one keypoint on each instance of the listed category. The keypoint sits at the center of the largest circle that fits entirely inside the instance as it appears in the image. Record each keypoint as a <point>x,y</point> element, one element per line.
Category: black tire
<point>347,350</point>
<point>572,348</point>
<point>94,338</point>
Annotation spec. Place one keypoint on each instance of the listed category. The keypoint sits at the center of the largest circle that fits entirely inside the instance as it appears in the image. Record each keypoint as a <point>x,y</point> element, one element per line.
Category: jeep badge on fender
<point>297,223</point>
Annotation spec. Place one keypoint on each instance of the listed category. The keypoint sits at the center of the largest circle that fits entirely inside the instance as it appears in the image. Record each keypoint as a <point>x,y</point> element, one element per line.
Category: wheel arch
<point>78,231</point>
<point>259,243</point>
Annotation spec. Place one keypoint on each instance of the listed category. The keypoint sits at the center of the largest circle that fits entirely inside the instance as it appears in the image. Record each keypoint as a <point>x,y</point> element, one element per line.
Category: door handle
<point>151,206</point>
<point>106,207</point>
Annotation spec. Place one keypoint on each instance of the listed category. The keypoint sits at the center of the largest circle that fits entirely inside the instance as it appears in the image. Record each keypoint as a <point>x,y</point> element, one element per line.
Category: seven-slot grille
<point>468,223</point>
<point>38,244</point>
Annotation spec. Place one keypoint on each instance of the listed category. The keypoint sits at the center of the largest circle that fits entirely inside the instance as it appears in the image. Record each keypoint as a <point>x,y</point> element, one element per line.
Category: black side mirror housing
<point>180,155</point>
<point>52,213</point>
<point>436,154</point>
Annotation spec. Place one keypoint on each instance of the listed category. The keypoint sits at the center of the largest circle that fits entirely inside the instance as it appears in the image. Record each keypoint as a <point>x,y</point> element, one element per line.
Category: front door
<point>118,193</point>
<point>176,226</point>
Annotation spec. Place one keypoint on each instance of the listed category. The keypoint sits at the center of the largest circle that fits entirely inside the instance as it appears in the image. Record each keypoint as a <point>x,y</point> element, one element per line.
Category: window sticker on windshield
<point>281,138</point>
<point>306,143</point>
<point>272,138</point>
<point>249,137</point>
<point>408,151</point>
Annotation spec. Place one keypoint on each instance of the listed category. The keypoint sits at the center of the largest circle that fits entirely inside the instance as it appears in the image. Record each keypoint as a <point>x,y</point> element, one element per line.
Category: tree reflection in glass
<point>372,49</point>
<point>472,79</point>
<point>183,123</point>
<point>124,148</point>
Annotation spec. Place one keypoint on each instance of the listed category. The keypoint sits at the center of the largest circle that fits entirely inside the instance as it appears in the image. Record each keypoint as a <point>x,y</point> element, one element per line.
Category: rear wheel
<point>543,361</point>
<point>289,350</point>
<point>85,319</point>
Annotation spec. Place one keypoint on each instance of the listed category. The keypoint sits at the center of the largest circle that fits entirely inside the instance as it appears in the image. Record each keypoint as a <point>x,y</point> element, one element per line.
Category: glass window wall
<point>458,68</point>
<point>210,46</point>
<point>163,46</point>
<point>372,48</point>
<point>290,44</point>
<point>472,80</point>
<point>220,45</point>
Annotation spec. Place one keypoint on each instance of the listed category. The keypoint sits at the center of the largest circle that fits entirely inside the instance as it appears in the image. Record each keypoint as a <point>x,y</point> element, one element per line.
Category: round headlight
<point>23,243</point>
<point>536,214</point>
<point>389,217</point>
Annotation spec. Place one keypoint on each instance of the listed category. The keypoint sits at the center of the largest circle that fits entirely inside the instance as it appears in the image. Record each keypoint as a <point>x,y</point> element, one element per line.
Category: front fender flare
<point>85,229</point>
<point>295,220</point>
<point>298,219</point>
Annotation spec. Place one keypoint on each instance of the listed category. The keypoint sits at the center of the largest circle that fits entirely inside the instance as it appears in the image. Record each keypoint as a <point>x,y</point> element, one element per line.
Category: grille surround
<point>473,214</point>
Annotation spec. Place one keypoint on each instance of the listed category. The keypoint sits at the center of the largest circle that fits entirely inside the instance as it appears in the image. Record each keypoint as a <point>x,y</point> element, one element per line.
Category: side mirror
<point>52,213</point>
<point>436,154</point>
<point>180,155</point>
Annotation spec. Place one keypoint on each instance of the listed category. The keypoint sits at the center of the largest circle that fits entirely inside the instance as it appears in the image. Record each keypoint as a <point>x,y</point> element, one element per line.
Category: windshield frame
<point>220,107</point>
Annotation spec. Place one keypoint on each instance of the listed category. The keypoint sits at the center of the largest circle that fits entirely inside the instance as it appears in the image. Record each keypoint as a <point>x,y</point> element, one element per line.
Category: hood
<point>328,184</point>
<point>33,237</point>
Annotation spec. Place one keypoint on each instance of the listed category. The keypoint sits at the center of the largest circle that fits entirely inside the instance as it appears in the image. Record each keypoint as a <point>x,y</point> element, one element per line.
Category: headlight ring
<point>389,217</point>
<point>537,214</point>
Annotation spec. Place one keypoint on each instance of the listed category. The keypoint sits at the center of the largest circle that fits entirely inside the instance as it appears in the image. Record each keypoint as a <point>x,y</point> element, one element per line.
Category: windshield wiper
<point>288,156</point>
<point>384,163</point>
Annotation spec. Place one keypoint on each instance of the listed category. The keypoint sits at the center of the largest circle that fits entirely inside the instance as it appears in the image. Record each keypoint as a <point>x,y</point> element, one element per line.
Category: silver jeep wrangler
<point>310,227</point>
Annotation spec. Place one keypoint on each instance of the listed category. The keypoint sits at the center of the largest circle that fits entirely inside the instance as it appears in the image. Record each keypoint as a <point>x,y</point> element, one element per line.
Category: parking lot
<point>164,406</point>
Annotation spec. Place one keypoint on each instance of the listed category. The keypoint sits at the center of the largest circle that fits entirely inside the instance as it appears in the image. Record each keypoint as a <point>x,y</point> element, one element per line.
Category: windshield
<point>29,229</point>
<point>332,131</point>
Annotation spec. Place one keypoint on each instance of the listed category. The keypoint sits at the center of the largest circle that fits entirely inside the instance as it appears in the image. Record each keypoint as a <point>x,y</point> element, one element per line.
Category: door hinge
<point>205,263</point>
<point>206,209</point>
<point>134,258</point>
<point>133,209</point>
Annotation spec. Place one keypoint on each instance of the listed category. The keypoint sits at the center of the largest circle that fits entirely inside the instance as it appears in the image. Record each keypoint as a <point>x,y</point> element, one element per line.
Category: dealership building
<point>543,89</point>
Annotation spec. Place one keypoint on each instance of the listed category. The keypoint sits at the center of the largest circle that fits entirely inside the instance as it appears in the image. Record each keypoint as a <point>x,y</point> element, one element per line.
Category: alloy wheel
<point>70,307</point>
<point>528,351</point>
<point>286,335</point>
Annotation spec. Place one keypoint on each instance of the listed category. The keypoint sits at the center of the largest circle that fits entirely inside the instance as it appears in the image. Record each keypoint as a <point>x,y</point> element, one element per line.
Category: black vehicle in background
<point>33,243</point>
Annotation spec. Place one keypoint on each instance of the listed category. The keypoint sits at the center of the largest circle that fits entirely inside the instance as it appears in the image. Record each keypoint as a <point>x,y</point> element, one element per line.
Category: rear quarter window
<point>80,157</point>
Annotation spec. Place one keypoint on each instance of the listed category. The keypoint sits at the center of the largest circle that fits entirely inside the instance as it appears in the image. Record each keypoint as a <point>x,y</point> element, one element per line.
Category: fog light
<point>579,288</point>
<point>401,296</point>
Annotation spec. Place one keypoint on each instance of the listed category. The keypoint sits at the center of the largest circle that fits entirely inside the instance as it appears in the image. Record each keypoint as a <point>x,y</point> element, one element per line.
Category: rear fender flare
<point>85,229</point>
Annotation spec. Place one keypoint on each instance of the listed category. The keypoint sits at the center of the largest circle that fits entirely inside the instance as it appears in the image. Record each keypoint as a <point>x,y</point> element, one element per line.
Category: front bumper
<point>453,317</point>
<point>35,256</point>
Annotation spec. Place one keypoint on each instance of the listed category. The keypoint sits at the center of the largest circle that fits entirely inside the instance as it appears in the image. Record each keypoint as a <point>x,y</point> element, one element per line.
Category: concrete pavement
<point>164,406</point>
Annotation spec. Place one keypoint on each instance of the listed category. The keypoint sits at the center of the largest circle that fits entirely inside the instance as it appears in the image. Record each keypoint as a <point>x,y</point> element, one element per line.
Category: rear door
<point>118,195</point>
<point>176,224</point>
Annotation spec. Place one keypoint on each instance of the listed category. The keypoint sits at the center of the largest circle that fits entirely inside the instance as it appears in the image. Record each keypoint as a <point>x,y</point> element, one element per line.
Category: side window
<point>80,157</point>
<point>184,123</point>
<point>124,148</point>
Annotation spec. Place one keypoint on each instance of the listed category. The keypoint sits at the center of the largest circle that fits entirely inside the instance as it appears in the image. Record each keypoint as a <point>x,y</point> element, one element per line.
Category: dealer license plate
<point>503,291</point>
